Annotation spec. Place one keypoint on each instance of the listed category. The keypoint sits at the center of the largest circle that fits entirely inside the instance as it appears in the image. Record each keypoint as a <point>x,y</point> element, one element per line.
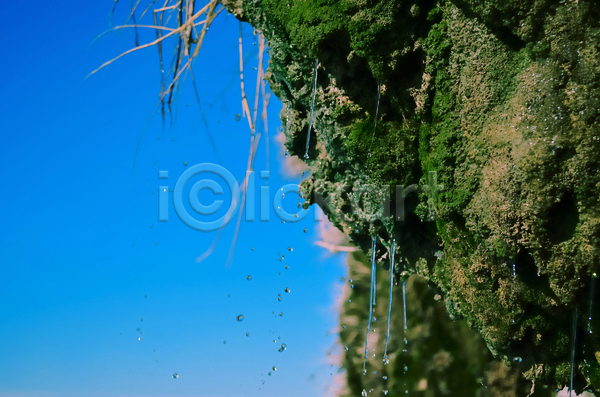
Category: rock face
<point>491,108</point>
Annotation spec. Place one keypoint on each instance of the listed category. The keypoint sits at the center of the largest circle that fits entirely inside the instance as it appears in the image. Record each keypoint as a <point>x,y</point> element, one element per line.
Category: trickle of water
<point>376,115</point>
<point>175,375</point>
<point>573,346</point>
<point>287,117</point>
<point>312,109</point>
<point>592,287</point>
<point>391,290</point>
<point>240,317</point>
<point>370,304</point>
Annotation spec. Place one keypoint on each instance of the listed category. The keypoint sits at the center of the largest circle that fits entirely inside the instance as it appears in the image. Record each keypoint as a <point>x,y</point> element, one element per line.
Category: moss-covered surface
<point>501,100</point>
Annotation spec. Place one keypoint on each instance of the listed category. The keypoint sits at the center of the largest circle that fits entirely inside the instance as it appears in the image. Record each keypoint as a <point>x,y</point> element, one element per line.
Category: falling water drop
<point>185,163</point>
<point>287,290</point>
<point>274,368</point>
<point>240,317</point>
<point>390,306</point>
<point>364,393</point>
<point>370,304</point>
<point>247,333</point>
<point>312,108</point>
<point>175,375</point>
<point>290,249</point>
<point>238,117</point>
<point>249,278</point>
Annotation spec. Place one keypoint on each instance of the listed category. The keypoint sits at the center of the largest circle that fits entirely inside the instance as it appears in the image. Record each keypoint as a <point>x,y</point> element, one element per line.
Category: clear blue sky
<point>83,258</point>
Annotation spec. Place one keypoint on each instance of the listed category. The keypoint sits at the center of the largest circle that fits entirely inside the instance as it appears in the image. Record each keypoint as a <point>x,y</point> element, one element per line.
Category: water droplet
<point>364,393</point>
<point>290,249</point>
<point>247,333</point>
<point>269,374</point>
<point>249,278</point>
<point>346,348</point>
<point>287,266</point>
<point>280,314</point>
<point>175,375</point>
<point>283,347</point>
<point>224,342</point>
<point>287,290</point>
<point>280,128</point>
<point>240,317</point>
<point>185,163</point>
<point>238,117</point>
<point>304,230</point>
<point>274,368</point>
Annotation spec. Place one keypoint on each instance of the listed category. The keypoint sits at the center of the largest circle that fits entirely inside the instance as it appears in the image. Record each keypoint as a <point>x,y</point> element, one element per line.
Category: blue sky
<point>83,257</point>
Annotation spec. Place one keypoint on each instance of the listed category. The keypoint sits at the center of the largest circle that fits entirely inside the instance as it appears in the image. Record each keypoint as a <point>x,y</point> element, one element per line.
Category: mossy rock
<point>500,100</point>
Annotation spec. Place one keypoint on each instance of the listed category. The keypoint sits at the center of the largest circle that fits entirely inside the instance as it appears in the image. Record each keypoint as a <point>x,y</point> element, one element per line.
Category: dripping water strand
<point>287,116</point>
<point>374,282</point>
<point>370,306</point>
<point>390,306</point>
<point>312,109</point>
<point>573,345</point>
<point>592,288</point>
<point>405,350</point>
<point>514,274</point>
<point>376,115</point>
